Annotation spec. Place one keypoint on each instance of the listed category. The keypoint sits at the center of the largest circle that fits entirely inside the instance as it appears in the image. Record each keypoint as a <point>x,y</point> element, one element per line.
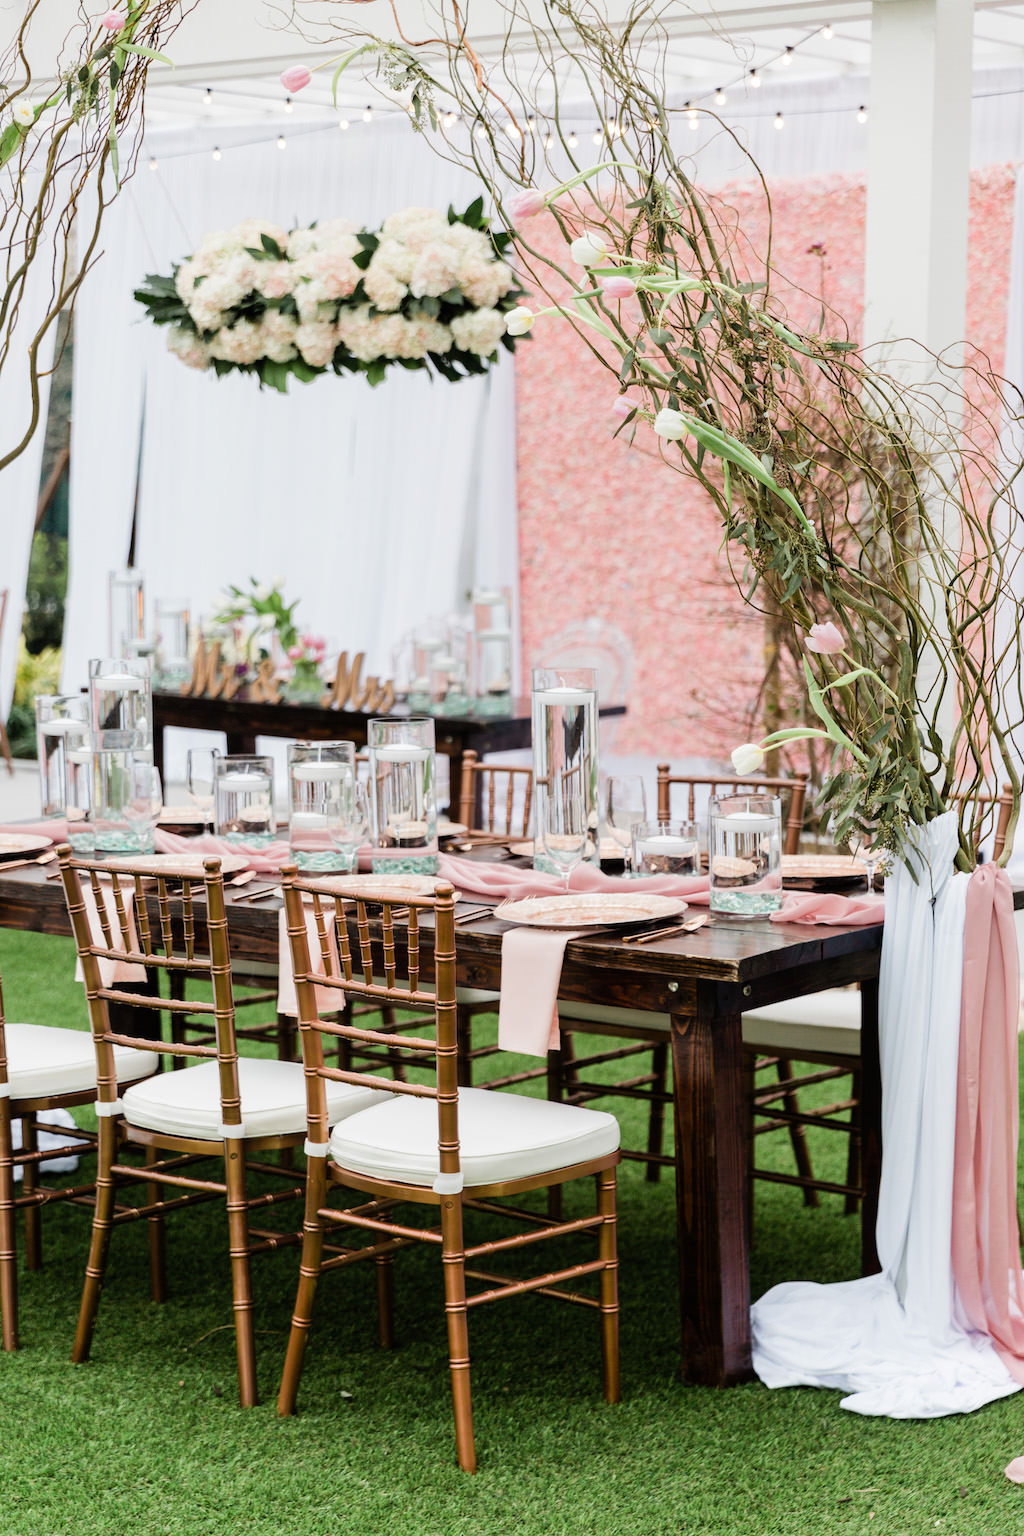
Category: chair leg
<point>385,1273</point>
<point>29,1185</point>
<point>99,1242</point>
<point>309,1274</point>
<point>155,1225</point>
<point>851,1204</point>
<point>656,1123</point>
<point>388,1020</point>
<point>464,1039</point>
<point>287,1037</point>
<point>797,1137</point>
<point>750,1141</point>
<point>453,1258</point>
<point>556,1093</point>
<point>608,1254</point>
<point>241,1278</point>
<point>8,1237</point>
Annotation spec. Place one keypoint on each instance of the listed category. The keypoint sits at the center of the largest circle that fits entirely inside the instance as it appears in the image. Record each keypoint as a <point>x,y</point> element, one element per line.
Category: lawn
<point>148,1437</point>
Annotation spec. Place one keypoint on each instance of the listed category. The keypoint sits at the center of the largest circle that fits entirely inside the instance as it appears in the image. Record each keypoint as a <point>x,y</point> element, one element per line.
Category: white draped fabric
<point>895,1342</point>
<point>377,507</point>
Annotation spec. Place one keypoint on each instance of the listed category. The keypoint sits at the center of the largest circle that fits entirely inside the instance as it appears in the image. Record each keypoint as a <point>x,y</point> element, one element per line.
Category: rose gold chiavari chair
<point>42,1068</point>
<point>653,1085</point>
<point>225,1107</point>
<point>432,1144</point>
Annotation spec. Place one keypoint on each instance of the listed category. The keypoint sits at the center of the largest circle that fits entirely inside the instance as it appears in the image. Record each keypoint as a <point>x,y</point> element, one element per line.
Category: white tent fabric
<point>893,1341</point>
<point>377,507</point>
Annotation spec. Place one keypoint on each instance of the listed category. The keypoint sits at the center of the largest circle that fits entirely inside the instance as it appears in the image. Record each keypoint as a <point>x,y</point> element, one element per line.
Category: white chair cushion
<point>821,1021</point>
<point>44,1061</point>
<point>273,1094</point>
<point>471,995</point>
<point>502,1136</point>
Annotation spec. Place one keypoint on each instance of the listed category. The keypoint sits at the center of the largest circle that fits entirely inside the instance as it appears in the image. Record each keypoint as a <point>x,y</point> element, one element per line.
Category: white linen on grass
<point>892,1341</point>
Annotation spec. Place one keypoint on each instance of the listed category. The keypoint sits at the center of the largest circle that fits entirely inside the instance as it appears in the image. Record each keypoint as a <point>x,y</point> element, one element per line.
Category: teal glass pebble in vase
<point>745,846</point>
<point>403,796</point>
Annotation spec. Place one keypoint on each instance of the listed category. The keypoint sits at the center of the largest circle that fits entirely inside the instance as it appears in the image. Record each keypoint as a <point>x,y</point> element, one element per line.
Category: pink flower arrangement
<point>295,78</point>
<point>825,639</point>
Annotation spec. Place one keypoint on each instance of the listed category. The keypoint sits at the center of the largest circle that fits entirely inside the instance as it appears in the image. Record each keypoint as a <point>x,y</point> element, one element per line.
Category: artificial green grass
<point>148,1437</point>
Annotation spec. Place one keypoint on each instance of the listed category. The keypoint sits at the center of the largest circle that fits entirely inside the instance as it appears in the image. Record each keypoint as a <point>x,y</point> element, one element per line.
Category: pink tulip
<point>826,639</point>
<point>295,653</point>
<point>113,21</point>
<point>525,205</point>
<point>618,287</point>
<point>295,78</point>
<point>622,405</point>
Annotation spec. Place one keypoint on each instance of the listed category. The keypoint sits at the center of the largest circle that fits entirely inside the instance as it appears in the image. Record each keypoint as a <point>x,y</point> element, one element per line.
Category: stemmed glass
<point>874,858</point>
<point>348,819</point>
<point>564,833</point>
<point>143,803</point>
<point>199,777</point>
<point>625,807</point>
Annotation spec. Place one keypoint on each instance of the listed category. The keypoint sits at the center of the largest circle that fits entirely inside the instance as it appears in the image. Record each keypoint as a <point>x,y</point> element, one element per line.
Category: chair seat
<point>804,1026</point>
<point>44,1061</point>
<point>502,1136</point>
<point>273,1094</point>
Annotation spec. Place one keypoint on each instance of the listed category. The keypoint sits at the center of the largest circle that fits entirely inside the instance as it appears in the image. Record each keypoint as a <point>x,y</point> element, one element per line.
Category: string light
<point>209,96</point>
<point>216,153</point>
<point>549,140</point>
<point>787,58</point>
<point>862,114</point>
<point>367,114</point>
<point>572,140</point>
<point>826,32</point>
<point>282,142</point>
<point>287,104</point>
<point>153,162</point>
<point>343,124</point>
<point>531,125</point>
<point>720,97</point>
<point>691,117</point>
<point>780,121</point>
<point>597,136</point>
<point>481,131</point>
<point>614,130</point>
<point>754,78</point>
<point>450,119</point>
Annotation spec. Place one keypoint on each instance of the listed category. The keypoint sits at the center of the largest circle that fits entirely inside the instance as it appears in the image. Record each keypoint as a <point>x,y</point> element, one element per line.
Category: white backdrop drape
<point>377,507</point>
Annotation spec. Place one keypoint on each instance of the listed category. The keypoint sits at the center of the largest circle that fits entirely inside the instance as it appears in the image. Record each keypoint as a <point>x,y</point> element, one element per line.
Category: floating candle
<point>64,727</point>
<point>320,772</point>
<point>308,821</point>
<point>739,822</point>
<point>250,783</point>
<point>575,697</point>
<point>402,752</point>
<point>119,682</point>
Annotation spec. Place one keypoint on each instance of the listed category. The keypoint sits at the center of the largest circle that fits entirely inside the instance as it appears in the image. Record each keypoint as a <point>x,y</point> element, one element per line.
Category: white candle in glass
<point>320,772</point>
<point>402,752</point>
<point>740,822</point>
<point>64,727</point>
<point>123,682</point>
<point>308,821</point>
<point>564,695</point>
<point>665,844</point>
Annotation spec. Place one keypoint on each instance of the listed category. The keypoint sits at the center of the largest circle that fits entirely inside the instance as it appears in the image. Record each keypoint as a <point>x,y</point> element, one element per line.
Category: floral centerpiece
<point>249,619</point>
<point>306,655</point>
<point>428,290</point>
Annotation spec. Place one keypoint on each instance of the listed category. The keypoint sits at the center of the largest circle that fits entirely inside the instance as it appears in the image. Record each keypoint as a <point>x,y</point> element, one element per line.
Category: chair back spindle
<point>794,789</point>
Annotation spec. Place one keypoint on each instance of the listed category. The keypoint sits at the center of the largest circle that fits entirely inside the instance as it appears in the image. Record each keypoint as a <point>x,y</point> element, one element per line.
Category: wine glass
<point>564,832</point>
<point>199,777</point>
<point>143,803</point>
<point>348,819</point>
<point>874,858</point>
<point>625,807</point>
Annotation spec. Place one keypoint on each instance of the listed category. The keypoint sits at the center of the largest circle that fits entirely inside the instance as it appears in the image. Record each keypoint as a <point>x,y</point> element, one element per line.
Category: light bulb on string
<point>826,32</point>
<point>614,131</point>
<point>549,141</point>
<point>720,97</point>
<point>367,114</point>
<point>153,162</point>
<point>450,119</point>
<point>780,121</point>
<point>208,97</point>
<point>597,136</point>
<point>787,58</point>
<point>282,142</point>
<point>691,117</point>
<point>862,114</point>
<point>572,140</point>
<point>343,123</point>
<point>481,131</point>
<point>215,155</point>
<point>531,125</point>
<point>288,104</point>
<point>754,78</point>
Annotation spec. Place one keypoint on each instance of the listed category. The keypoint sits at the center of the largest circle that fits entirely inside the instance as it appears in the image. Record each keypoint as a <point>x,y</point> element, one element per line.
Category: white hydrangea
<point>278,336</point>
<point>316,340</point>
<point>381,288</point>
<point>395,257</point>
<point>485,281</point>
<point>478,331</point>
<point>185,280</point>
<point>339,234</point>
<point>309,295</point>
<point>436,270</point>
<point>415,227</point>
<point>301,242</point>
<point>239,343</point>
<point>250,232</point>
<point>213,249</point>
<point>187,346</point>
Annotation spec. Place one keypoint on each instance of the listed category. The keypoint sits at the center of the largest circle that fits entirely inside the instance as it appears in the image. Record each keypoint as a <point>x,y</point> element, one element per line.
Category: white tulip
<point>671,424</point>
<point>589,250</point>
<point>261,594</point>
<point>25,114</point>
<point>277,583</point>
<point>748,758</point>
<point>519,320</point>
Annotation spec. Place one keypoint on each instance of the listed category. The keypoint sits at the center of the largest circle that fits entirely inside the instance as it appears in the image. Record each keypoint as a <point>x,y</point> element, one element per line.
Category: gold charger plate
<point>809,871</point>
<point>380,887</point>
<point>590,909</point>
<point>15,845</point>
<point>190,864</point>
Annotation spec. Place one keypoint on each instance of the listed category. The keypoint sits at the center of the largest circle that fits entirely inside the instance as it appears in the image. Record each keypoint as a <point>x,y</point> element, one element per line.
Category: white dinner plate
<point>597,909</point>
<point>15,845</point>
<point>446,828</point>
<point>182,815</point>
<point>190,864</point>
<point>380,887</point>
<point>611,851</point>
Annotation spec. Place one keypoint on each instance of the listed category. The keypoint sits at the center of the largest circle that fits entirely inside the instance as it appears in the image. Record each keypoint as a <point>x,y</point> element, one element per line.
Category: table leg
<point>870,1124</point>
<point>711,1189</point>
<point>158,750</point>
<point>241,743</point>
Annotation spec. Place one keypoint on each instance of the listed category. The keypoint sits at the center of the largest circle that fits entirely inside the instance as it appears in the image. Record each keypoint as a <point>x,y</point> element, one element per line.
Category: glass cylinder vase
<point>243,800</point>
<point>62,721</point>
<point>121,695</point>
<point>402,795</point>
<point>78,781</point>
<point>494,672</point>
<point>745,853</point>
<point>316,769</point>
<point>171,639</point>
<point>126,613</point>
<point>564,710</point>
<point>112,761</point>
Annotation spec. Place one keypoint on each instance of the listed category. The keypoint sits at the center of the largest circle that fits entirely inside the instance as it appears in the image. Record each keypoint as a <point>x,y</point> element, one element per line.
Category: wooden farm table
<point>243,719</point>
<point>703,982</point>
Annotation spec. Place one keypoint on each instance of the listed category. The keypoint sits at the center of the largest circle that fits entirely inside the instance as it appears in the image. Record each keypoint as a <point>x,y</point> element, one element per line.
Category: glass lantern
<point>243,800</point>
<point>172,665</point>
<point>62,721</point>
<point>745,851</point>
<point>494,672</point>
<point>121,695</point>
<point>426,645</point>
<point>402,796</point>
<point>78,777</point>
<point>564,708</point>
<point>127,613</point>
<point>315,770</point>
<point>112,791</point>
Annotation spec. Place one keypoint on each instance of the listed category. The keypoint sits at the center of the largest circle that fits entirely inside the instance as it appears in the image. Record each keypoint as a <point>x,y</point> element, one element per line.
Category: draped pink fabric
<point>985,1241</point>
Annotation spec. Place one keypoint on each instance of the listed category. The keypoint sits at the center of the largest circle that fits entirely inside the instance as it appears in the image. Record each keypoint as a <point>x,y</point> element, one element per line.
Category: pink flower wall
<point>606,530</point>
